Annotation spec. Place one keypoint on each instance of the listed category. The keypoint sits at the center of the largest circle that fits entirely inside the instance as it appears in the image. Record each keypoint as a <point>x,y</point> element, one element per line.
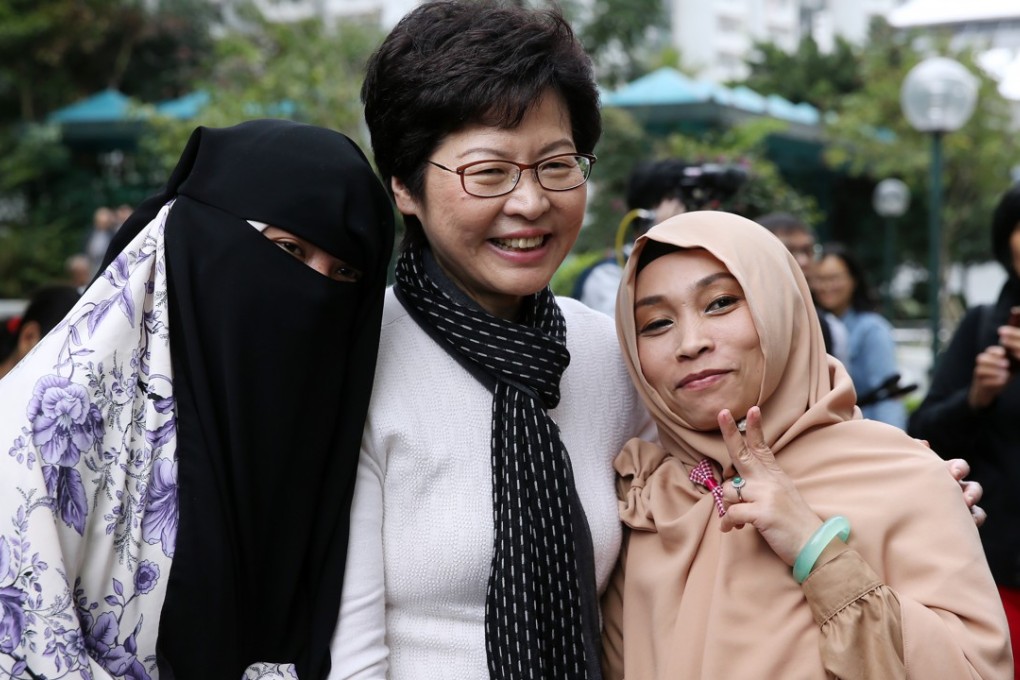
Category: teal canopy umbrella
<point>666,99</point>
<point>105,121</point>
<point>111,120</point>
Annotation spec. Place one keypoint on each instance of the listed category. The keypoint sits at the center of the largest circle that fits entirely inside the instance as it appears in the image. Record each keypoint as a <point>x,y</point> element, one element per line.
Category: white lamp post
<point>890,199</point>
<point>938,96</point>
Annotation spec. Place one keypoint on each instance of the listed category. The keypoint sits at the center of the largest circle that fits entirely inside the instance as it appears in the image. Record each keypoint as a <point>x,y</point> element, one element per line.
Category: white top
<point>421,526</point>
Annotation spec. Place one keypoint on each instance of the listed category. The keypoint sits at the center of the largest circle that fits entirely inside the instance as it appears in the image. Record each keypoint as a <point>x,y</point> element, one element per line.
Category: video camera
<point>704,186</point>
<point>700,186</point>
<point>707,186</point>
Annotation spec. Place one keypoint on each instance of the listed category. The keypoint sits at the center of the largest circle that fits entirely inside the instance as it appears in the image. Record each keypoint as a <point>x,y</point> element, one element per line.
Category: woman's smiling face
<point>499,250</point>
<point>697,343</point>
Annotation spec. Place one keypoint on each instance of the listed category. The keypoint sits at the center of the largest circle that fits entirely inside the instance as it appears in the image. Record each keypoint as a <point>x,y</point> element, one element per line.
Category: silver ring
<point>738,484</point>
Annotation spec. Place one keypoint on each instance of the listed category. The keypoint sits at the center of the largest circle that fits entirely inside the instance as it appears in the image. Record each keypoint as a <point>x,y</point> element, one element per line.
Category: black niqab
<point>273,368</point>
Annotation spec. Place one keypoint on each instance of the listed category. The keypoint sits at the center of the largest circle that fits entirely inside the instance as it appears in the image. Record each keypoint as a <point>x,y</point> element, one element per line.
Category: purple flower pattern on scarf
<point>160,520</point>
<point>102,633</point>
<point>12,618</point>
<point>105,444</point>
<point>146,576</point>
<point>64,423</point>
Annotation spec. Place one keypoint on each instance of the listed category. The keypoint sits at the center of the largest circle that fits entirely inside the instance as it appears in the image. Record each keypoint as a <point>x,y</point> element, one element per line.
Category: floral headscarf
<point>182,447</point>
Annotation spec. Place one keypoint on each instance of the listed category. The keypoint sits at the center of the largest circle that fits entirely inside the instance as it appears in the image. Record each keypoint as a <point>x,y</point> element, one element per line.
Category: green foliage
<point>623,144</point>
<point>870,138</point>
<point>765,190</point>
<point>37,225</point>
<point>808,74</point>
<point>51,54</point>
<point>54,52</point>
<point>623,36</point>
<point>563,280</point>
<point>306,70</point>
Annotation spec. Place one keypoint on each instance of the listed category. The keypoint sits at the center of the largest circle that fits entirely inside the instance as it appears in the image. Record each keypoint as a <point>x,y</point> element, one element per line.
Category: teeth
<point>519,243</point>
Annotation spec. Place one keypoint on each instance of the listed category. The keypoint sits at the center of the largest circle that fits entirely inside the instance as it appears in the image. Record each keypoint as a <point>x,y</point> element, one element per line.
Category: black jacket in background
<point>989,439</point>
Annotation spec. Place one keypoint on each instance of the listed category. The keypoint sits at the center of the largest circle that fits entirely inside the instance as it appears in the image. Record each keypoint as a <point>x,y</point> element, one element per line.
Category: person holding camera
<point>656,191</point>
<point>972,405</point>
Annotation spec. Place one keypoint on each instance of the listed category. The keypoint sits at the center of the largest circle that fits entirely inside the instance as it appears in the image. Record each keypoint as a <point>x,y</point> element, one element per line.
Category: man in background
<point>800,240</point>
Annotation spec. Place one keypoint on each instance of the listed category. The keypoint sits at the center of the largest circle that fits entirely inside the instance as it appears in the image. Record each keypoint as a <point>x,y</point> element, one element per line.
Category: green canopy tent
<point>106,121</point>
<point>666,101</point>
<point>110,120</point>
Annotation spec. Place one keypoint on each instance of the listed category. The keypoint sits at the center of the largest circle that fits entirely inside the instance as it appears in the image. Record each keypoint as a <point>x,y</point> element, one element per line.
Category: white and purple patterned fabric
<point>88,513</point>
<point>87,443</point>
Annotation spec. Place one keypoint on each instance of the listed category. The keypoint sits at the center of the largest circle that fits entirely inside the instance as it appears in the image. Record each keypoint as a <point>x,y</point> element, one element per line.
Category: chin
<point>528,284</point>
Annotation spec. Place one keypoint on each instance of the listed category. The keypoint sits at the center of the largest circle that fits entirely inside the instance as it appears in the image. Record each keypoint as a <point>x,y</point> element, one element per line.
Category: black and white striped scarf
<point>538,624</point>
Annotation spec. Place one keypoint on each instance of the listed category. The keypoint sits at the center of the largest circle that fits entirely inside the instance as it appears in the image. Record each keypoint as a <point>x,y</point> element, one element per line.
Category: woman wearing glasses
<point>485,520</point>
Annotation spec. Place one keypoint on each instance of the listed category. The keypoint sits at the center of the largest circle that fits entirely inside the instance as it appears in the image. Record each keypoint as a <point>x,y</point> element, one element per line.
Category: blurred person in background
<point>8,335</point>
<point>78,269</point>
<point>840,286</point>
<point>973,407</point>
<point>104,225</point>
<point>800,240</point>
<point>45,309</point>
<point>653,191</point>
<point>121,214</point>
<point>656,191</point>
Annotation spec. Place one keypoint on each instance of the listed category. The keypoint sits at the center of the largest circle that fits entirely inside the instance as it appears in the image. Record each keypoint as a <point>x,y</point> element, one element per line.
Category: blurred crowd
<point>48,304</point>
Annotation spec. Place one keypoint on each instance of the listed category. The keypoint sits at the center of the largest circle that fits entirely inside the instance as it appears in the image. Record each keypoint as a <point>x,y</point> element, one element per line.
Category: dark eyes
<point>718,304</point>
<point>722,302</point>
<point>345,273</point>
<point>292,248</point>
<point>655,325</point>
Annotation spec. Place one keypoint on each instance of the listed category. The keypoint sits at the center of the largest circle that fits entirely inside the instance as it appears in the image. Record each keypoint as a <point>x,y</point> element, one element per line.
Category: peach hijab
<point>691,602</point>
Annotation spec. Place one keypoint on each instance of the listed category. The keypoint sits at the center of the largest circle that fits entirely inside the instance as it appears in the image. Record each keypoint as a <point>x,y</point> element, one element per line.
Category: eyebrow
<point>651,300</point>
<point>566,143</point>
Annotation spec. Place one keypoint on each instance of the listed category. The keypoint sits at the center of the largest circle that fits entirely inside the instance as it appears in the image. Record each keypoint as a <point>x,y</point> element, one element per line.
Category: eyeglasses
<point>811,252</point>
<point>489,179</point>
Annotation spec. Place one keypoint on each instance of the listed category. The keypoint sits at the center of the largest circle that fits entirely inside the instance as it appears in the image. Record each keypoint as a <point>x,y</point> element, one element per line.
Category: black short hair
<point>784,222</point>
<point>48,306</point>
<point>863,298</point>
<point>453,63</point>
<point>652,182</point>
<point>1006,220</point>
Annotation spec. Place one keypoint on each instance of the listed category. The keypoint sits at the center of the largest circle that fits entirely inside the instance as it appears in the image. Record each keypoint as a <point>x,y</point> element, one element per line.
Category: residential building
<point>715,37</point>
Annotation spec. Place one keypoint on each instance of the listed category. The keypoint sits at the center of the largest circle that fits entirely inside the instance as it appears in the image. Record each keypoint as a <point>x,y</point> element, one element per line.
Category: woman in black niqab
<point>274,365</point>
<point>194,424</point>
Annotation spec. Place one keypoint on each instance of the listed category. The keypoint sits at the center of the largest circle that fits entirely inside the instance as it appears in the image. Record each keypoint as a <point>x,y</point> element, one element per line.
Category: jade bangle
<point>805,562</point>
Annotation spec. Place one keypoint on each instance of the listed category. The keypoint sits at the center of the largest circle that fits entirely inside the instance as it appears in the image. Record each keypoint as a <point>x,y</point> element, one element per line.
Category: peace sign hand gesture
<point>767,498</point>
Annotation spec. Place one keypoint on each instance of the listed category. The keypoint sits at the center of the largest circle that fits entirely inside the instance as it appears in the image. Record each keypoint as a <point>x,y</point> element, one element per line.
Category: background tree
<point>806,75</point>
<point>870,139</point>
<point>623,36</point>
<point>52,54</point>
<point>310,71</point>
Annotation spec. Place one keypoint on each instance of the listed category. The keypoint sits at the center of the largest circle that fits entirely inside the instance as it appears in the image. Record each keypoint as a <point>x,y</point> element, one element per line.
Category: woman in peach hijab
<point>888,577</point>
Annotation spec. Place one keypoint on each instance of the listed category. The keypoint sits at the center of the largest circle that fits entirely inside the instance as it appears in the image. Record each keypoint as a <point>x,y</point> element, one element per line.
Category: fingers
<point>958,468</point>
<point>1009,338</point>
<point>972,492</point>
<point>992,361</point>
<point>978,514</point>
<point>755,438</point>
<point>734,441</point>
